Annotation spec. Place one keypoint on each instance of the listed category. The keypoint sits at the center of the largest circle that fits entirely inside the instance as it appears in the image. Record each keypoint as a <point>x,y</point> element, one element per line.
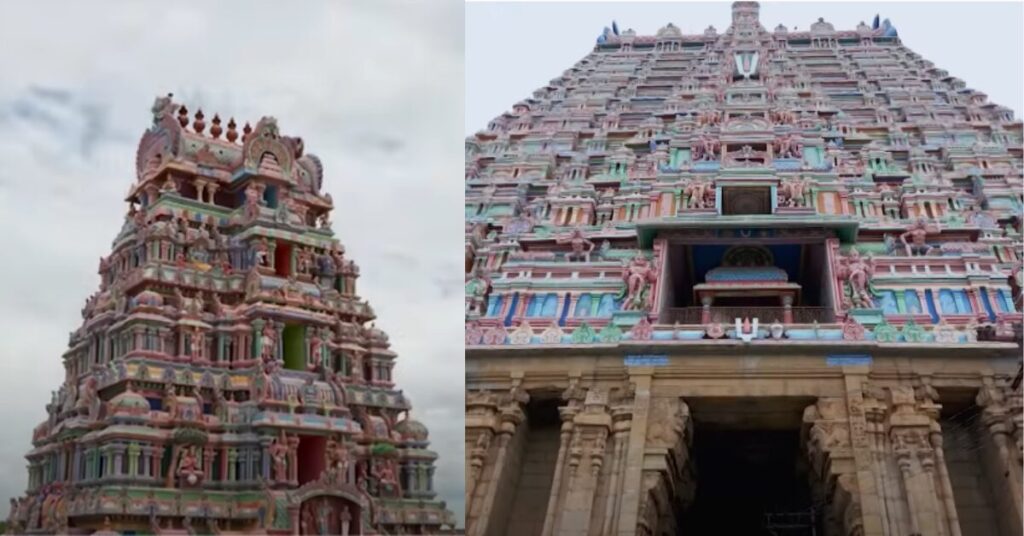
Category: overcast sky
<point>374,90</point>
<point>513,49</point>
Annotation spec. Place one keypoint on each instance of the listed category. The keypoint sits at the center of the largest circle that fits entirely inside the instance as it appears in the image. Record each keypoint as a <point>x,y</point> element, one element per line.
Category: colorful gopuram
<point>745,282</point>
<point>227,377</point>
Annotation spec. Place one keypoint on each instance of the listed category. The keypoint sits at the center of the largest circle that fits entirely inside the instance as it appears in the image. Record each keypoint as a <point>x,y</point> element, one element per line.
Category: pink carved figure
<point>279,455</point>
<point>638,276</point>
<point>337,456</point>
<point>697,193</point>
<point>262,250</point>
<point>858,272</point>
<point>252,201</point>
<point>315,353</point>
<point>268,343</point>
<point>188,468</point>
<point>792,192</point>
<point>914,238</point>
<point>581,247</point>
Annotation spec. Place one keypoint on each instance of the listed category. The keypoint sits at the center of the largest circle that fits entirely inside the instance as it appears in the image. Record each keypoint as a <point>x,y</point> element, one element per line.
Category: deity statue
<point>858,271</point>
<point>279,455</point>
<point>170,400</point>
<point>88,401</point>
<point>196,343</point>
<point>917,234</point>
<point>268,343</point>
<point>304,260</point>
<point>337,456</point>
<point>581,247</point>
<point>698,193</point>
<point>260,252</point>
<point>478,288</point>
<point>188,468</point>
<point>638,276</point>
<point>787,147</point>
<point>792,192</point>
<point>315,353</point>
<point>252,201</point>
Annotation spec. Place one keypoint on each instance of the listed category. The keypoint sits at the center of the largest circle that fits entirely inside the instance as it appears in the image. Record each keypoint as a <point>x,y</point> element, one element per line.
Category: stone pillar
<point>632,473</point>
<point>573,396</point>
<point>583,461</point>
<point>1007,453</point>
<point>481,427</point>
<point>510,416</point>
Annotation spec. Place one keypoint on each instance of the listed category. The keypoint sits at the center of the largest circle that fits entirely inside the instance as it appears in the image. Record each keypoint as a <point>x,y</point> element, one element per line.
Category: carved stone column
<point>632,474</point>
<point>667,472</point>
<point>573,396</point>
<point>509,415</point>
<point>482,425</point>
<point>585,459</point>
<point>910,430</point>
<point>997,421</point>
<point>622,413</point>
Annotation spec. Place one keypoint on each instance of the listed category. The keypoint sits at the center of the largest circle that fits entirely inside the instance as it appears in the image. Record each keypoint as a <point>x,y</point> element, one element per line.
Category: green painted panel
<point>294,339</point>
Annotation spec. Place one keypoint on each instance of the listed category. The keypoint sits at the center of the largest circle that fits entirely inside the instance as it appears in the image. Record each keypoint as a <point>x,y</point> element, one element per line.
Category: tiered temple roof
<point>751,185</point>
<point>227,376</point>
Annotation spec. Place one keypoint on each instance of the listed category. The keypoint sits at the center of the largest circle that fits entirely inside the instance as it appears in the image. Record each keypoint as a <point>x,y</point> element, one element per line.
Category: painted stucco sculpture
<point>227,377</point>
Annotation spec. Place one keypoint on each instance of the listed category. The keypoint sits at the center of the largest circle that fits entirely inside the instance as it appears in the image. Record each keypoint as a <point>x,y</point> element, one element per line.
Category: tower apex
<point>745,11</point>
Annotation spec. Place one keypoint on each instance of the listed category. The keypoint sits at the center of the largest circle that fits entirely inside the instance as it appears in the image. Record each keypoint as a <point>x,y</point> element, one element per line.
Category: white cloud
<point>374,89</point>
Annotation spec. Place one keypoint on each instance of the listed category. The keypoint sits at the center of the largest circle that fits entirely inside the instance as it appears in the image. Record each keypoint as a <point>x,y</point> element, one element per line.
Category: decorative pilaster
<point>996,419</point>
<point>509,415</point>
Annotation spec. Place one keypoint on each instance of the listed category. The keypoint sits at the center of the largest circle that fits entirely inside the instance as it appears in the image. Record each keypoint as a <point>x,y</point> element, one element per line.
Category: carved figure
<point>698,193</point>
<point>914,238</point>
<point>279,455</point>
<point>478,288</point>
<point>188,468</point>
<point>638,275</point>
<point>858,271</point>
<point>792,191</point>
<point>581,247</point>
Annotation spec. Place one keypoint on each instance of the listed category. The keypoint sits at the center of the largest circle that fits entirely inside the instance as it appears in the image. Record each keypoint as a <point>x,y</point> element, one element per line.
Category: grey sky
<point>375,90</point>
<point>514,48</point>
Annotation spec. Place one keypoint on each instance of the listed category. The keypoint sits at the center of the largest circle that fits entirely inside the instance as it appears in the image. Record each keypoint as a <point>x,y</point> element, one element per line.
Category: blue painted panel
<point>512,309</point>
<point>839,360</point>
<point>913,301</point>
<point>930,301</point>
<point>946,301</point>
<point>494,307</point>
<point>646,360</point>
<point>550,307</point>
<point>1007,301</point>
<point>887,300</point>
<point>985,302</point>
<point>607,306</point>
<point>963,305</point>
<point>582,306</point>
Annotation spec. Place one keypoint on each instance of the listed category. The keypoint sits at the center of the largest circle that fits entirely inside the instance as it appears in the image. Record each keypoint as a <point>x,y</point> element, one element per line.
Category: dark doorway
<point>311,456</point>
<point>749,483</point>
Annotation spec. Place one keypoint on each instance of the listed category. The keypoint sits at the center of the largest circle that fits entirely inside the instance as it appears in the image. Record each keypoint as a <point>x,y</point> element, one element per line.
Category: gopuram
<point>226,378</point>
<point>744,283</point>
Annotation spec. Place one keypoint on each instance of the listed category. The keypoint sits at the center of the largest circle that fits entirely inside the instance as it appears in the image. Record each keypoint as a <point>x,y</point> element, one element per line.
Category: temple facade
<point>226,377</point>
<point>749,282</point>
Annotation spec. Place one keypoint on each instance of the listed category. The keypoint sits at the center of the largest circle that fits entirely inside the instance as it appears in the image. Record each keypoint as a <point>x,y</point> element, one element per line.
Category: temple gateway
<point>227,378</point>
<point>741,283</point>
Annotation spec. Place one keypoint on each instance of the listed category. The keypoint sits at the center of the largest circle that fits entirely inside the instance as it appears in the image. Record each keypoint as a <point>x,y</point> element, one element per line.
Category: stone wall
<point>971,488</point>
<point>537,469</point>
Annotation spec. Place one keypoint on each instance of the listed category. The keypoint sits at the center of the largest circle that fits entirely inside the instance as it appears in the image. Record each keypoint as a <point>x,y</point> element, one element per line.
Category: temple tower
<point>744,282</point>
<point>227,376</point>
